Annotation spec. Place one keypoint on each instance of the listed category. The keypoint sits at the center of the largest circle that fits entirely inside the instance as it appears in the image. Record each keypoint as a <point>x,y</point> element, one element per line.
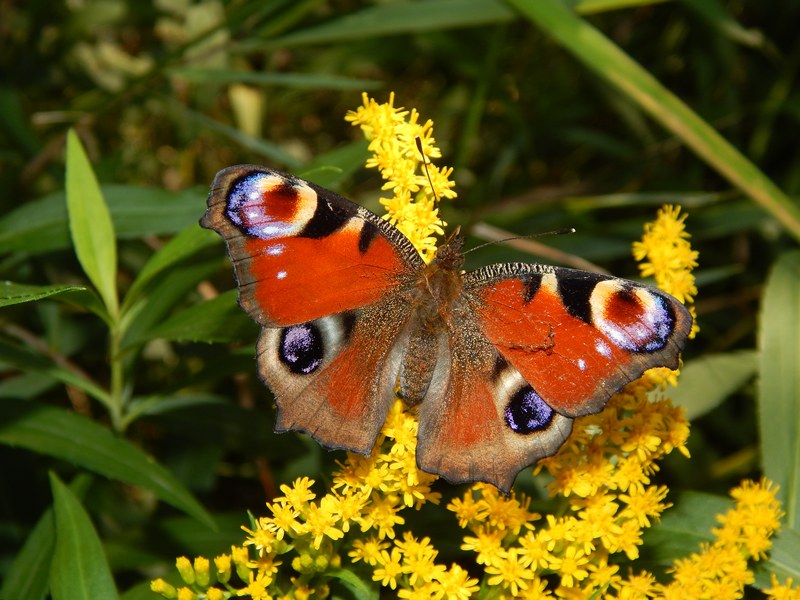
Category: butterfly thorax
<point>433,299</point>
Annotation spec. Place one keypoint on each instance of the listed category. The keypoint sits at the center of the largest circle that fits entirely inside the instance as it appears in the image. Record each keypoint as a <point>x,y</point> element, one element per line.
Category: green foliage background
<point>132,426</point>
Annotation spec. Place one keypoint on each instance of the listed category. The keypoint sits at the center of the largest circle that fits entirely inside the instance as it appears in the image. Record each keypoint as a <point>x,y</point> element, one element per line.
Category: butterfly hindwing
<point>335,377</point>
<point>481,421</point>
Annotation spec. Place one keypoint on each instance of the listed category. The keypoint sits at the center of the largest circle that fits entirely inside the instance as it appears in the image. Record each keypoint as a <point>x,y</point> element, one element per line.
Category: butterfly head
<point>449,256</point>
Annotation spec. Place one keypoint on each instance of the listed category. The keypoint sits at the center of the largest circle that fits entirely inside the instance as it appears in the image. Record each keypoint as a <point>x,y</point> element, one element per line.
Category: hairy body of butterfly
<point>498,361</point>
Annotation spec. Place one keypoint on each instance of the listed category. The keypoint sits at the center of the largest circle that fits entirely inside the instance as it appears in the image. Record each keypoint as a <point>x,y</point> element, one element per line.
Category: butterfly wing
<point>481,421</point>
<point>529,348</point>
<point>317,271</point>
<point>301,252</point>
<point>576,337</point>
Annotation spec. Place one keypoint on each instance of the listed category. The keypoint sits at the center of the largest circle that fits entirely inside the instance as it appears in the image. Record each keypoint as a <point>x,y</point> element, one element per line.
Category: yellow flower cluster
<point>391,133</point>
<point>665,254</point>
<point>602,494</point>
<point>720,569</point>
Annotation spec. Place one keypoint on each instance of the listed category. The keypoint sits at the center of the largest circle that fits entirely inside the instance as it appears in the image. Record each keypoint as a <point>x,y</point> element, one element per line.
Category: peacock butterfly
<point>498,361</point>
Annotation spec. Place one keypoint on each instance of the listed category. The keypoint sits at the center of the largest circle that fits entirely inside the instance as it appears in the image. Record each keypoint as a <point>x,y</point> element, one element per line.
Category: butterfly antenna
<point>425,162</point>
<point>564,231</point>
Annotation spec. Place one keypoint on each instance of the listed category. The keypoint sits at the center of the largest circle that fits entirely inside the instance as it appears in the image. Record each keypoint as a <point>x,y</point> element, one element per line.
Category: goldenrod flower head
<point>391,133</point>
<point>666,254</point>
<point>782,591</point>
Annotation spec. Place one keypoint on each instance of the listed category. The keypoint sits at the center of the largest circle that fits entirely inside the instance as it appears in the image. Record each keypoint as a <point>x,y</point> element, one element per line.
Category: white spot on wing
<point>602,348</point>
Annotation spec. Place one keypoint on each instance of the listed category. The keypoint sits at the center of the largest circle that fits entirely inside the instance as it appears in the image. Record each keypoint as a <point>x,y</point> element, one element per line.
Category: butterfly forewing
<point>300,252</point>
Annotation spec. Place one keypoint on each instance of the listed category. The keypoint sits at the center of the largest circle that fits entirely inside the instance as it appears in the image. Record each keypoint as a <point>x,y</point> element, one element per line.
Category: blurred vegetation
<point>551,118</point>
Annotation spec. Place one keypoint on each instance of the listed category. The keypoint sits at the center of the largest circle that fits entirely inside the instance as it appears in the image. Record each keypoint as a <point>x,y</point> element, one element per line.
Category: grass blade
<point>606,59</point>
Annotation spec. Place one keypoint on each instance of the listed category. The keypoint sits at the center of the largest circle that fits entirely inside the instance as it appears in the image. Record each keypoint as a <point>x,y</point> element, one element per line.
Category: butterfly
<point>497,362</point>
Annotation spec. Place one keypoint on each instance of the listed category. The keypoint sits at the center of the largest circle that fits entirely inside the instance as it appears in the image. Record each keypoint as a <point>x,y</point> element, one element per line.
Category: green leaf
<point>294,80</point>
<point>400,17</point>
<point>268,149</point>
<point>187,243</point>
<point>360,589</point>
<point>27,361</point>
<point>78,440</point>
<point>41,225</point>
<point>17,293</point>
<point>218,320</point>
<point>707,381</point>
<point>160,298</point>
<point>784,558</point>
<point>28,576</point>
<point>779,382</point>
<point>332,168</point>
<point>608,61</point>
<point>684,526</point>
<point>90,224</point>
<point>80,568</point>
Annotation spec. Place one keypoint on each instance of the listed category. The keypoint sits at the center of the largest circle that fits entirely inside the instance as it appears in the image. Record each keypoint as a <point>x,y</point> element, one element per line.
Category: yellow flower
<point>368,550</point>
<point>533,551</point>
<point>485,543</point>
<point>262,539</point>
<point>637,587</point>
<point>508,570</point>
<point>383,515</point>
<point>782,591</point>
<point>159,586</point>
<point>320,521</point>
<point>389,568</point>
<point>392,133</point>
<point>455,583</point>
<point>571,566</point>
<point>298,493</point>
<point>418,558</point>
<point>186,593</point>
<point>665,253</point>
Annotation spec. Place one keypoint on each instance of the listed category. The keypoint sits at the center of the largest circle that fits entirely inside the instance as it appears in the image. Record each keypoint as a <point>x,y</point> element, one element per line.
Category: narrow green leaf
<point>188,242</point>
<point>17,293</point>
<point>41,225</point>
<point>78,440</point>
<point>360,589</point>
<point>27,361</point>
<point>28,576</point>
<point>784,559</point>
<point>707,381</point>
<point>606,59</point>
<point>294,80</point>
<point>80,568</point>
<point>272,151</point>
<point>684,526</point>
<point>779,382</point>
<point>90,224</point>
<point>331,168</point>
<point>401,17</point>
<point>218,320</point>
<point>160,298</point>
